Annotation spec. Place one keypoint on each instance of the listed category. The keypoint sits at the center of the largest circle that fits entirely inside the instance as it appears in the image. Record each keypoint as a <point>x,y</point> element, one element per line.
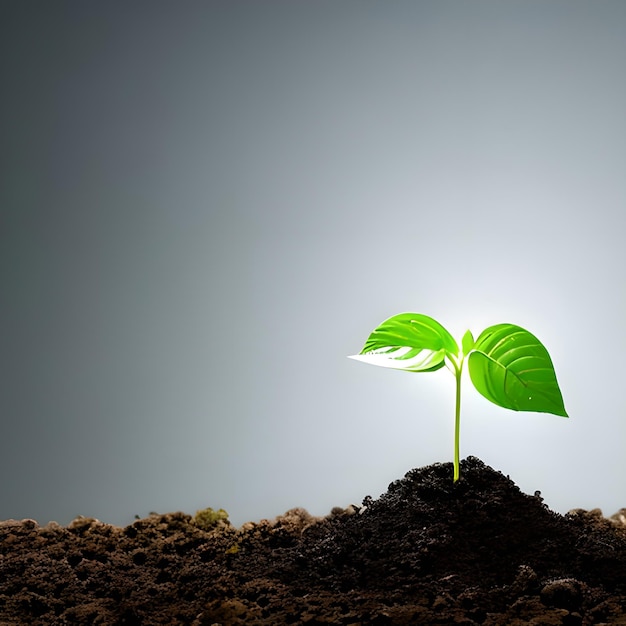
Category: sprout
<point>508,365</point>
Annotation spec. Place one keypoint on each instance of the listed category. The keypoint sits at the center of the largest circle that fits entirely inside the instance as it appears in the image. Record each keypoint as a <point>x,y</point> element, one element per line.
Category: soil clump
<point>428,551</point>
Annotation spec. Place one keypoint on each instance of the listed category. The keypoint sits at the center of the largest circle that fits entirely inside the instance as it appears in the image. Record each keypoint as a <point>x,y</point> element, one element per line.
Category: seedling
<point>508,365</point>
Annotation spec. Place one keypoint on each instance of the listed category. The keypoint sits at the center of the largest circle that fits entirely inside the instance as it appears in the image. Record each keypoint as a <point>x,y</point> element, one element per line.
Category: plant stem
<point>457,420</point>
<point>457,370</point>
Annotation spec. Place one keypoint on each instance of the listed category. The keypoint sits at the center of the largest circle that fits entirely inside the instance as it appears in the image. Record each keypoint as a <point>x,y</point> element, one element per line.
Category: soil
<point>428,551</point>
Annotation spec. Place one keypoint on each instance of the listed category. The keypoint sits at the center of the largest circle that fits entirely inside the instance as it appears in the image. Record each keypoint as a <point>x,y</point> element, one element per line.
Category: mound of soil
<point>428,551</point>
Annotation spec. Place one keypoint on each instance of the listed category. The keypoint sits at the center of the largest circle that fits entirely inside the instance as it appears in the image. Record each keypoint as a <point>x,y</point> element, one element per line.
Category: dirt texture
<point>428,551</point>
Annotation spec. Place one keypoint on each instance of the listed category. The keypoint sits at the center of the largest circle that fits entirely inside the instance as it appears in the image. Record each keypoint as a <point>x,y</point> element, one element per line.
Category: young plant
<point>507,364</point>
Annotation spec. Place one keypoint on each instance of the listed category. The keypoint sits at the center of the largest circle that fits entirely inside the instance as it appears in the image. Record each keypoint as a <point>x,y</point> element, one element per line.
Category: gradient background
<point>206,206</point>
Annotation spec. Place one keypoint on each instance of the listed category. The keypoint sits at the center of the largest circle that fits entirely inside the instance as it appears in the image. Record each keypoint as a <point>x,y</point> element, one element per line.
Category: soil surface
<point>428,551</point>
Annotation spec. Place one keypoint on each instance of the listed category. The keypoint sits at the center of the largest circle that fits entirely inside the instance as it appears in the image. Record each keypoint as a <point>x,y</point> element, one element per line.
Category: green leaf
<point>467,343</point>
<point>512,368</point>
<point>408,341</point>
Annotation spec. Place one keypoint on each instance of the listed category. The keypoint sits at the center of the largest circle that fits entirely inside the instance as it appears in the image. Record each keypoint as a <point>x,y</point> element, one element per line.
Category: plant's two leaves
<point>512,368</point>
<point>408,341</point>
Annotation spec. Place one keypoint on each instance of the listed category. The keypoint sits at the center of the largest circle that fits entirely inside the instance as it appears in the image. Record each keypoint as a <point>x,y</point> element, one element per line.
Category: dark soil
<point>428,551</point>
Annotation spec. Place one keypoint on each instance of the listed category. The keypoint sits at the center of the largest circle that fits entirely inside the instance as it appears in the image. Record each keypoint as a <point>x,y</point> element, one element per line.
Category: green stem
<point>457,421</point>
<point>458,369</point>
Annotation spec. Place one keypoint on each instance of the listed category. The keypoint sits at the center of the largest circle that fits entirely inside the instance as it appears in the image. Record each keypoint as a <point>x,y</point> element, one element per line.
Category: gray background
<point>206,206</point>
